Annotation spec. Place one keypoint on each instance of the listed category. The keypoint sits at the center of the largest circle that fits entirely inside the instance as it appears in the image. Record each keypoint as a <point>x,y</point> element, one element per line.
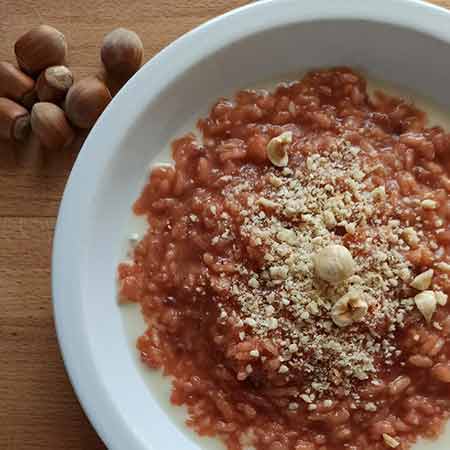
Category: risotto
<point>295,272</point>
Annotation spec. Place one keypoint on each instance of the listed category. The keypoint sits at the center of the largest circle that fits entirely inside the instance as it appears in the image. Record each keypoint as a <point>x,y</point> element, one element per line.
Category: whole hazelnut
<point>40,48</point>
<point>122,53</point>
<point>85,101</point>
<point>14,120</point>
<point>50,125</point>
<point>334,263</point>
<point>53,84</point>
<point>16,85</point>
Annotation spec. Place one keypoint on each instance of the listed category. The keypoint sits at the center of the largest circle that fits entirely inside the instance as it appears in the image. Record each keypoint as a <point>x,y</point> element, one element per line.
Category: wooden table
<point>38,407</point>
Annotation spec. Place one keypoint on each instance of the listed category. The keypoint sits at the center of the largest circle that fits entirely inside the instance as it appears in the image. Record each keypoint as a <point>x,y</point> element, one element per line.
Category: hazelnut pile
<point>40,95</point>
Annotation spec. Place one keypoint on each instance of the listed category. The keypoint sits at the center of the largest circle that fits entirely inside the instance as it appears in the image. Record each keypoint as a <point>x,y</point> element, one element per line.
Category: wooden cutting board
<point>39,410</point>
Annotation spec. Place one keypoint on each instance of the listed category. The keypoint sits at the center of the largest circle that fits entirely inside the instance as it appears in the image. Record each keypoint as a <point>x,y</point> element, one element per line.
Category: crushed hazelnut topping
<point>276,149</point>
<point>267,203</point>
<point>370,406</point>
<point>441,298</point>
<point>428,204</point>
<point>306,398</point>
<point>349,308</point>
<point>445,267</point>
<point>379,193</point>
<point>426,304</point>
<point>312,289</point>
<point>423,280</point>
<point>390,441</point>
<point>410,236</point>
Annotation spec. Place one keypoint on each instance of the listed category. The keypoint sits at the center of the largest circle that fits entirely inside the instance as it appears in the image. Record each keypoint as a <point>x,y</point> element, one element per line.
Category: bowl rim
<point>190,48</point>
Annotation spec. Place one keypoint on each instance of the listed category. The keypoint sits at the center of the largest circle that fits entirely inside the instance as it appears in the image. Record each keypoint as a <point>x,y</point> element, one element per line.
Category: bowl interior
<point>133,134</point>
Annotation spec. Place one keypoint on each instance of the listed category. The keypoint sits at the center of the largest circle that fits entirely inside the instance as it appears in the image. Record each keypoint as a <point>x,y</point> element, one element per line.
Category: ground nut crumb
<point>423,280</point>
<point>410,236</point>
<point>390,441</point>
<point>306,398</point>
<point>329,219</point>
<point>379,193</point>
<point>276,149</point>
<point>428,204</point>
<point>370,406</point>
<point>445,267</point>
<point>349,308</point>
<point>426,304</point>
<point>267,203</point>
<point>275,181</point>
<point>441,298</point>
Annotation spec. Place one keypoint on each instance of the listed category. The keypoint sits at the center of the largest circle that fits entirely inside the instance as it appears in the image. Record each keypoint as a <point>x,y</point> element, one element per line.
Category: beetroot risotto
<point>295,273</point>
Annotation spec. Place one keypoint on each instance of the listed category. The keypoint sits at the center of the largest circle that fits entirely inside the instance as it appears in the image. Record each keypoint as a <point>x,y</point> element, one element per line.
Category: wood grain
<point>39,409</point>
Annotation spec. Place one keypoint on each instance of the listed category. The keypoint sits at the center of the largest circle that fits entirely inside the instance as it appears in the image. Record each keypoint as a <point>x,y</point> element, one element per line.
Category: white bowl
<point>404,42</point>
